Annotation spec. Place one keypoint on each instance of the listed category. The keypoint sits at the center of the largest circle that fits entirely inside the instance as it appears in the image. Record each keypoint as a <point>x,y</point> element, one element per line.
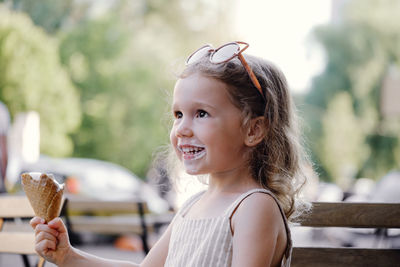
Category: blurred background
<point>86,85</point>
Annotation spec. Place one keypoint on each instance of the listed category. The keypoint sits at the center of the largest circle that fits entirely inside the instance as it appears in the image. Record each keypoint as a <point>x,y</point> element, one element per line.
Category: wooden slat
<point>346,257</point>
<point>17,242</point>
<point>358,215</point>
<point>15,206</point>
<point>91,206</point>
<point>19,226</point>
<point>117,224</point>
<point>106,224</point>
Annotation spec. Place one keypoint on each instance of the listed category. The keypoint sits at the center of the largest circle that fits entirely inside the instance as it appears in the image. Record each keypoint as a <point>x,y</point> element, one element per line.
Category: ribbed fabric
<point>208,242</point>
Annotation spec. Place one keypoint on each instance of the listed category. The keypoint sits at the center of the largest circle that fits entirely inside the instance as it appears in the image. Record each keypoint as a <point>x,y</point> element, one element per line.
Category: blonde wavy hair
<point>279,162</point>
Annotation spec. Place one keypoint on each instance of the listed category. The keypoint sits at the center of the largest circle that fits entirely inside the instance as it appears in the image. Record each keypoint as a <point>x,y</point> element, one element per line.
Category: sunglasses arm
<point>251,73</point>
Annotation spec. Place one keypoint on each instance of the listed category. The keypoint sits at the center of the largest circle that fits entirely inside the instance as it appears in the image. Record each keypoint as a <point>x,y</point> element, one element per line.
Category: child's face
<point>207,133</point>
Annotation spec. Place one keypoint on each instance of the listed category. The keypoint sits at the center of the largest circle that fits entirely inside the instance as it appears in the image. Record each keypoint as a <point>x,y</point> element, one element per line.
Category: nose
<point>183,128</point>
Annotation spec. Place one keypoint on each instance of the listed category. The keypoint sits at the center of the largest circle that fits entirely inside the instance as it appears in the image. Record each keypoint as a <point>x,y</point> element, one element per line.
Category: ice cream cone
<point>44,194</point>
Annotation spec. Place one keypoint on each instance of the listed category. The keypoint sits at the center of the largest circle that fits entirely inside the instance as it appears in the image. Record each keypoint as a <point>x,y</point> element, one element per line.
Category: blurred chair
<point>17,237</point>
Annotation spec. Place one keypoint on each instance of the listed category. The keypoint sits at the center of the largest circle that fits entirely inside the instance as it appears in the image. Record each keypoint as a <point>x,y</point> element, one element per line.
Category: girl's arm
<point>259,235</point>
<point>155,258</point>
<point>52,243</point>
<point>158,253</point>
<point>80,258</point>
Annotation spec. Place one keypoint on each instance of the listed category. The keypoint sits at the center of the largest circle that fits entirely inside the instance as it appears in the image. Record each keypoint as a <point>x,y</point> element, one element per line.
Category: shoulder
<point>258,209</point>
<point>258,229</point>
<point>191,200</point>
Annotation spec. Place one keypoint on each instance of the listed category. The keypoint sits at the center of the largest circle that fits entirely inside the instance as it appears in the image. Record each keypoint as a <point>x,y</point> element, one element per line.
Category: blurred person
<point>4,126</point>
<point>23,145</point>
<point>233,122</point>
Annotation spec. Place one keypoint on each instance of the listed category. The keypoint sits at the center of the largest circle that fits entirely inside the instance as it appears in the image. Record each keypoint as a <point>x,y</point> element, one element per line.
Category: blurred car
<point>98,179</point>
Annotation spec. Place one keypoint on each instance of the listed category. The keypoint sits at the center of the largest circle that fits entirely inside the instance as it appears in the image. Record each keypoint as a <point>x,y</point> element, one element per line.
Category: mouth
<point>190,152</point>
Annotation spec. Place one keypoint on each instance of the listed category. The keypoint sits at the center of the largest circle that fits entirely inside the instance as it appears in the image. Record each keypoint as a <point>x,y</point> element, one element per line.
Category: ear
<point>256,131</point>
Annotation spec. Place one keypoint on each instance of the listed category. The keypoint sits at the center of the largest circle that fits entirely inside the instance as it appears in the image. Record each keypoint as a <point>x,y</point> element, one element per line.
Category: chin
<point>193,171</point>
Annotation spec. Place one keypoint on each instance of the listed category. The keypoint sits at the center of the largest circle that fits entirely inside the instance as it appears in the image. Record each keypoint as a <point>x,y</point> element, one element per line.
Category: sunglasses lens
<point>201,52</point>
<point>225,53</point>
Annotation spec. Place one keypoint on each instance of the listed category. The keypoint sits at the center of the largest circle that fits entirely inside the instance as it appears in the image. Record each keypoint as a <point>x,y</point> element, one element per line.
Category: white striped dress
<point>207,242</point>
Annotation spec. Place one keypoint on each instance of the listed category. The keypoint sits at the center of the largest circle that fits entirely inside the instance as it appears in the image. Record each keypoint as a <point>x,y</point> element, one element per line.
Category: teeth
<point>191,150</point>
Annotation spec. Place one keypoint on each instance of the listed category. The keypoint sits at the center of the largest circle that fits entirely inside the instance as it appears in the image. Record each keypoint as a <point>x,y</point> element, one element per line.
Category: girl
<point>234,122</point>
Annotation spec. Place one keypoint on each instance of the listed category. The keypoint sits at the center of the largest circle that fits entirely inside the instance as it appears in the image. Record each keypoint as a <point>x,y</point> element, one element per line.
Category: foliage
<point>119,62</point>
<point>121,95</point>
<point>348,131</point>
<point>47,14</point>
<point>118,54</point>
<point>340,123</point>
<point>32,78</point>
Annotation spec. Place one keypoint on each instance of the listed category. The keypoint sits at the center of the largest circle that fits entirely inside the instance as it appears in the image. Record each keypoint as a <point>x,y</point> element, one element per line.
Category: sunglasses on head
<point>224,54</point>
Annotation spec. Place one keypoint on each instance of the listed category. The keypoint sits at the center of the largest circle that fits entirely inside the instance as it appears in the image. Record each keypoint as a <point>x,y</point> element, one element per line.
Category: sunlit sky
<point>280,31</point>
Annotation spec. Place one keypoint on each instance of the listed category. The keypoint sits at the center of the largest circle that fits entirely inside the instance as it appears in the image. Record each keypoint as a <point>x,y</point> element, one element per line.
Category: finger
<point>45,228</point>
<point>45,236</point>
<point>44,246</point>
<point>35,221</point>
<point>58,225</point>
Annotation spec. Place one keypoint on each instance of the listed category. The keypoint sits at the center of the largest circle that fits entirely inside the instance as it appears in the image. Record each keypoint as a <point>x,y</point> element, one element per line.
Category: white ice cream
<point>36,176</point>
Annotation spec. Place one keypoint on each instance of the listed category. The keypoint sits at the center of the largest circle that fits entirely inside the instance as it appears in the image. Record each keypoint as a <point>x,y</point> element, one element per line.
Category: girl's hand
<point>52,242</point>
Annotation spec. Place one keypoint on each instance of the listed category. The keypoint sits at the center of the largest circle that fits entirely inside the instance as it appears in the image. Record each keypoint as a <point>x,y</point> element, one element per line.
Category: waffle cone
<point>44,194</point>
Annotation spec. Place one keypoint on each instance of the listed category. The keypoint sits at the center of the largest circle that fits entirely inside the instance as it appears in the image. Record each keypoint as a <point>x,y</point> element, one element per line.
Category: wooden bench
<point>112,217</point>
<point>353,215</point>
<point>16,235</point>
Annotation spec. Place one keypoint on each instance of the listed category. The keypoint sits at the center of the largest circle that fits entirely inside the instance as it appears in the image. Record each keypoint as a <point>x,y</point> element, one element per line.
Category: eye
<point>202,114</point>
<point>178,114</point>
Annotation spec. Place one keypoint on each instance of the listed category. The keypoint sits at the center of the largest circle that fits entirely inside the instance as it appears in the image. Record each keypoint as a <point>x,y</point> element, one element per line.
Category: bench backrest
<point>354,215</point>
<point>93,206</point>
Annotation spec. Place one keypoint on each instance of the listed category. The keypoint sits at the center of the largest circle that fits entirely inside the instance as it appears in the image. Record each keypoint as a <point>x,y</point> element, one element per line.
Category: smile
<point>192,152</point>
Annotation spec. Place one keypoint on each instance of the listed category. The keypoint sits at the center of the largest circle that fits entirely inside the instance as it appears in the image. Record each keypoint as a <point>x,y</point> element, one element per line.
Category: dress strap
<point>189,203</point>
<point>233,207</point>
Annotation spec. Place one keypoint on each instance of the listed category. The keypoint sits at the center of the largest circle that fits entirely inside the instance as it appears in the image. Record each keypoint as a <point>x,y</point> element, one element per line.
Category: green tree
<point>120,60</point>
<point>32,78</point>
<point>359,49</point>
<point>121,88</point>
<point>47,14</point>
<point>342,158</point>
